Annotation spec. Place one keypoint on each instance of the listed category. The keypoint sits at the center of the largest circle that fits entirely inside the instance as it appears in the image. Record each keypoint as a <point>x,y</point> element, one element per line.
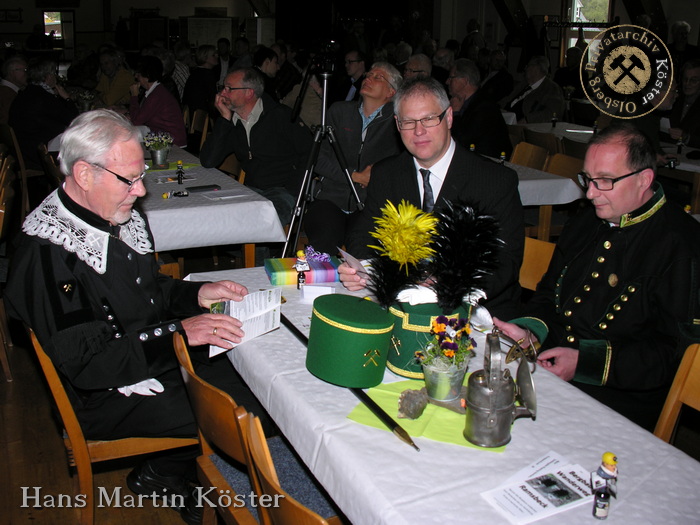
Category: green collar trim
<point>646,210</point>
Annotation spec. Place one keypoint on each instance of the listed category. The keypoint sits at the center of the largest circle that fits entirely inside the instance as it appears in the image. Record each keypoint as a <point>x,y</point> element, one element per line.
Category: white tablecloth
<point>539,188</point>
<point>232,215</point>
<point>377,479</point>
<point>571,131</point>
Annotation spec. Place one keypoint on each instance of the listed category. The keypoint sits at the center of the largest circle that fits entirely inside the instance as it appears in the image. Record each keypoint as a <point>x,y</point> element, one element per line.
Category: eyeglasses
<point>604,183</point>
<point>377,76</point>
<point>408,70</point>
<point>128,182</point>
<point>228,89</point>
<point>353,61</point>
<point>426,122</point>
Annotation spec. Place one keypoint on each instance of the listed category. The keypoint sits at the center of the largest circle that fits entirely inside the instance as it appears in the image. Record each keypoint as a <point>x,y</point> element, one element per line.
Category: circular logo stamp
<point>626,71</point>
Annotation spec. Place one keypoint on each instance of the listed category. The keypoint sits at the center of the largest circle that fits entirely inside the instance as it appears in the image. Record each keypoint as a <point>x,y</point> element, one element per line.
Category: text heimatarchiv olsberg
<point>33,497</point>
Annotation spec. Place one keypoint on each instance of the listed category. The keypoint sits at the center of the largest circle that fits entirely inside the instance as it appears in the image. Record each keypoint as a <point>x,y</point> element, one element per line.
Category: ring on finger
<point>216,329</point>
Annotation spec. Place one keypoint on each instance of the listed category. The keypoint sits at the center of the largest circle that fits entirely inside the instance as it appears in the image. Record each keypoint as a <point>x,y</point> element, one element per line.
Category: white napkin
<point>147,387</point>
<point>423,294</point>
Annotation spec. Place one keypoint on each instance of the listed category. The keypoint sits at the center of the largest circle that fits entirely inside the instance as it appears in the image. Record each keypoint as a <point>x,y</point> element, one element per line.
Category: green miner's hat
<point>348,341</point>
<point>412,325</point>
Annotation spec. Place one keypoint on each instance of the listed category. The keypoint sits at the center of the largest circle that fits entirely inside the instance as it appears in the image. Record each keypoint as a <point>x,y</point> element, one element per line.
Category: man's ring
<point>213,332</point>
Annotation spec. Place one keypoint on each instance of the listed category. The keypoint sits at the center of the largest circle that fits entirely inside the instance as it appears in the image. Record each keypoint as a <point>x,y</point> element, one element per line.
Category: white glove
<point>147,387</point>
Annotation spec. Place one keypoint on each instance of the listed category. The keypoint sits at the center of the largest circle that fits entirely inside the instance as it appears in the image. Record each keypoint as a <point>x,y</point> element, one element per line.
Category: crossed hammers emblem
<point>627,71</point>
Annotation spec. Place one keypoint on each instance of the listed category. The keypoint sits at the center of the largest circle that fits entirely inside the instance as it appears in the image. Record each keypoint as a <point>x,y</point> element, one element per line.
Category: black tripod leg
<point>343,166</point>
<point>304,195</point>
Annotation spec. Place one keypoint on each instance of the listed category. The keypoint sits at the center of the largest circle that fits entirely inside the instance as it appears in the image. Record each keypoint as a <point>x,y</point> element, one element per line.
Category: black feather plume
<point>466,252</point>
<point>389,278</point>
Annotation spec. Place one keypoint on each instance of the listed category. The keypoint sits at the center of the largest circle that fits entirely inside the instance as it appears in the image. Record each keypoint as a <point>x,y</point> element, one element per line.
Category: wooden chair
<point>200,124</point>
<point>218,418</point>
<point>574,148</point>
<point>231,166</point>
<point>529,155</point>
<point>186,117</point>
<point>6,198</point>
<point>8,137</point>
<point>536,260</point>
<point>285,510</point>
<point>564,166</point>
<point>685,390</point>
<point>169,266</point>
<point>81,452</point>
<point>548,141</point>
<point>51,169</point>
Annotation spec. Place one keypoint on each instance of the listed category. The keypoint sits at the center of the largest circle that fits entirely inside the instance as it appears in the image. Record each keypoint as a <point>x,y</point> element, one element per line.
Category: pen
<point>385,418</point>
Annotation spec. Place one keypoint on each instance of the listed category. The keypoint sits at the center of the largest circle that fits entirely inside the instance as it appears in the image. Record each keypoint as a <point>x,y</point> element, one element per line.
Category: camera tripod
<point>322,132</point>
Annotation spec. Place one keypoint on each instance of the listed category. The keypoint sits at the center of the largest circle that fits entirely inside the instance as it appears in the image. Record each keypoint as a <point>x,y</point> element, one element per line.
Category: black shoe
<point>145,481</point>
<point>191,513</point>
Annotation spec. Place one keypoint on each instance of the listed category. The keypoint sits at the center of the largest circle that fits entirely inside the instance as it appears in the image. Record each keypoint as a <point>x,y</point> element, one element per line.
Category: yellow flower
<point>404,233</point>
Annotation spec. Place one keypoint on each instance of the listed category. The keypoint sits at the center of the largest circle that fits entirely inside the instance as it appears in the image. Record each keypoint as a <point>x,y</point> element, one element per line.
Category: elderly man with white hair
<point>85,279</point>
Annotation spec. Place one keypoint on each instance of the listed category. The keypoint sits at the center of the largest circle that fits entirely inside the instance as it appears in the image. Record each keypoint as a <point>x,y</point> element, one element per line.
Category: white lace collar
<point>54,222</point>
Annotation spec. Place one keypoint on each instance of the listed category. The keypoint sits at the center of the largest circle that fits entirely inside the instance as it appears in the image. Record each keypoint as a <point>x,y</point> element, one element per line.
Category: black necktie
<point>428,200</point>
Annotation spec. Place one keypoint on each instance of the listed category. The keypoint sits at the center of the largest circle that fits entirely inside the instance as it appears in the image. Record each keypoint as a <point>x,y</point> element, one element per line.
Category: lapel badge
<point>67,287</point>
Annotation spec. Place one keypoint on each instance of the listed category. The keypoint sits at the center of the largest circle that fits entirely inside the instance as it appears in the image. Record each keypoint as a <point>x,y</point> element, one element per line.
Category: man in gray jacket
<point>366,133</point>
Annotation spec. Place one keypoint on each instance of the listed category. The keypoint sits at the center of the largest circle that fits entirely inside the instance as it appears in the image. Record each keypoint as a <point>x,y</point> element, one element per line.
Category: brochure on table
<point>548,486</point>
<point>258,311</point>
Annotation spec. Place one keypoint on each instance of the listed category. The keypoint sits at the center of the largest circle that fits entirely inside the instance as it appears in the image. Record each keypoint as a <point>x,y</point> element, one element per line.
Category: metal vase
<point>159,156</point>
<point>444,384</point>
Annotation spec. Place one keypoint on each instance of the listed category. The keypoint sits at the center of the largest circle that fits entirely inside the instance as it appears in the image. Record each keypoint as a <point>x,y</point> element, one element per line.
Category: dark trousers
<point>326,226</point>
<point>111,415</point>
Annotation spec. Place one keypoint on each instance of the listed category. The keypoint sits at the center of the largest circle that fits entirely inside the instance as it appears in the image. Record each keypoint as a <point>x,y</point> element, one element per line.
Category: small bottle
<point>679,146</point>
<point>554,120</point>
<point>601,503</point>
<point>503,157</point>
<point>595,127</point>
<point>472,148</point>
<point>180,172</point>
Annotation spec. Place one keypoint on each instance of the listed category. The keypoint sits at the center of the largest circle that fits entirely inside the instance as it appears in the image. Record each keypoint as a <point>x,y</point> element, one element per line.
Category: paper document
<point>258,311</point>
<point>553,487</point>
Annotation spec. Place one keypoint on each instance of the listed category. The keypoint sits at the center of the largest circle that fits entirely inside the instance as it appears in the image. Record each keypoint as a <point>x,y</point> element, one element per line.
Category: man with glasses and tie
<point>436,169</point>
<point>85,279</point>
<point>620,301</point>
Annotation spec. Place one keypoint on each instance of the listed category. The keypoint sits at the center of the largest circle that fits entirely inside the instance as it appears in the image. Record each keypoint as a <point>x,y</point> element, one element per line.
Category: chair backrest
<point>7,195</point>
<point>284,509</point>
<point>200,124</point>
<point>682,180</point>
<point>529,155</point>
<point>65,408</point>
<point>685,390</point>
<point>231,166</point>
<point>536,260</point>
<point>49,164</point>
<point>213,408</point>
<point>574,148</point>
<point>564,165</point>
<point>548,141</point>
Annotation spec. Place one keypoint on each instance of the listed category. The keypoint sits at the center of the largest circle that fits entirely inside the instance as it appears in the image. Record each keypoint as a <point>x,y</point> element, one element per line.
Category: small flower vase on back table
<point>158,144</point>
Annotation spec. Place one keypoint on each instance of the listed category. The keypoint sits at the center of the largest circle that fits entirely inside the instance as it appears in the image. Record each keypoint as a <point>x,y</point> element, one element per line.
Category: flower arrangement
<point>451,252</point>
<point>159,140</point>
<point>452,344</point>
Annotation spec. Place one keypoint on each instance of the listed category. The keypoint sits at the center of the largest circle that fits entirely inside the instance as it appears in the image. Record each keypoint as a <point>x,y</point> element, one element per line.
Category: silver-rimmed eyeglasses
<point>128,182</point>
<point>603,183</point>
<point>426,122</point>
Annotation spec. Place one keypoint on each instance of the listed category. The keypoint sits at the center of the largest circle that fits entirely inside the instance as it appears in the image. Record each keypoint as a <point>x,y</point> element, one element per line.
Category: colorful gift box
<point>281,272</point>
<point>348,341</point>
<point>411,333</point>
